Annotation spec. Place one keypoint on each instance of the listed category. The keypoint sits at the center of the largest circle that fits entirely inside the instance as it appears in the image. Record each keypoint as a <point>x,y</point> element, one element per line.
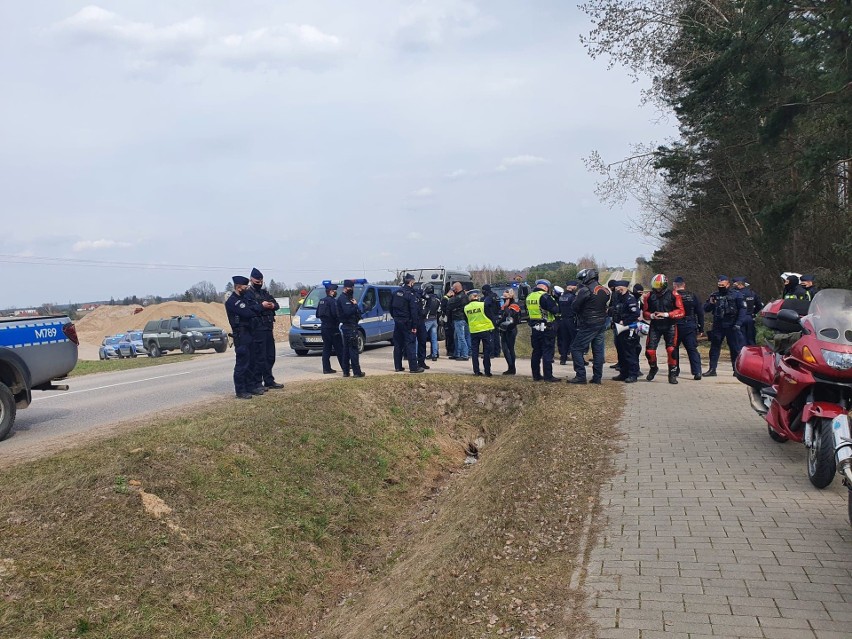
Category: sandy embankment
<point>109,320</point>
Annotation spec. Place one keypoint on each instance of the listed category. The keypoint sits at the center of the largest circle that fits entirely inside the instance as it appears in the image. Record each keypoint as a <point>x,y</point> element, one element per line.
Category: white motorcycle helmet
<point>787,274</point>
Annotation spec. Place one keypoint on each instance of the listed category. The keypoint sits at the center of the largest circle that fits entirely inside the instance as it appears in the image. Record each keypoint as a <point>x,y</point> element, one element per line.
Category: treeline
<point>557,272</point>
<point>758,181</point>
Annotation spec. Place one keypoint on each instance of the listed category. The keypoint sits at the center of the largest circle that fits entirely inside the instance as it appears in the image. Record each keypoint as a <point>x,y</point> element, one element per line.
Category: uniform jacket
<point>626,309</point>
<point>267,315</point>
<point>243,312</point>
<point>404,307</point>
<point>693,311</point>
<point>347,312</point>
<point>327,311</point>
<point>729,309</point>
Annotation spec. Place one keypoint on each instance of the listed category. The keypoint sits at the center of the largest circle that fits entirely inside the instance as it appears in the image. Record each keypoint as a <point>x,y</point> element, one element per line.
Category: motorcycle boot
<point>710,373</point>
<point>652,373</point>
<point>672,378</point>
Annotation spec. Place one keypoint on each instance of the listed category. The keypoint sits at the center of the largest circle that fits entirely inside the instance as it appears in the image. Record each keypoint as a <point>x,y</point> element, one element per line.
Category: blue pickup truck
<point>34,352</point>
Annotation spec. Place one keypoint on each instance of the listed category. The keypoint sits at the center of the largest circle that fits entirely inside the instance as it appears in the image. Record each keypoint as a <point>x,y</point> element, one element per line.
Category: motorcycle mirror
<point>788,315</point>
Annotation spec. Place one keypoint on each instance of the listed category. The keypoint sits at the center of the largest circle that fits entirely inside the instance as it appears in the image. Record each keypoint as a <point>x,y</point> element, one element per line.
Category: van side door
<point>386,323</point>
<point>370,315</point>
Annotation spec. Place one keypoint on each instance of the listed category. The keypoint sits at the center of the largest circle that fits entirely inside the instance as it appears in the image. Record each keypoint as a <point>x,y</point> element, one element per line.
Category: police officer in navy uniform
<point>567,322</point>
<point>420,325</point>
<point>264,341</point>
<point>753,306</point>
<point>807,282</point>
<point>542,309</point>
<point>689,327</point>
<point>349,315</point>
<point>625,312</point>
<point>492,312</point>
<point>243,312</point>
<point>330,329</point>
<point>405,312</point>
<point>729,315</point>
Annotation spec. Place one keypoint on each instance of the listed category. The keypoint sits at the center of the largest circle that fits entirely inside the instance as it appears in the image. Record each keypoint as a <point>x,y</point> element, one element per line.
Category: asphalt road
<point>97,403</point>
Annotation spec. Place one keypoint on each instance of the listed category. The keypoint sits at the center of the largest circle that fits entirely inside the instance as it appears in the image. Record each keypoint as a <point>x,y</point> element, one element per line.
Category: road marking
<point>89,390</point>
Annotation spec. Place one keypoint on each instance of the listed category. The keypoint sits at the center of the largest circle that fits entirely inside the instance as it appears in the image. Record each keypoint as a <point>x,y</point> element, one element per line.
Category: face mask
<point>723,289</point>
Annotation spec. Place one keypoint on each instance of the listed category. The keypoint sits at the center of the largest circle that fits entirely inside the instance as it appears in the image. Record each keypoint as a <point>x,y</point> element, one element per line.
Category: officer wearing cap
<point>807,282</point>
<point>689,327</point>
<point>243,312</point>
<point>567,321</point>
<point>625,313</point>
<point>753,306</point>
<point>263,341</point>
<point>330,329</point>
<point>405,313</point>
<point>542,309</point>
<point>729,314</point>
<point>481,332</point>
<point>349,314</point>
<point>420,324</point>
<point>492,310</point>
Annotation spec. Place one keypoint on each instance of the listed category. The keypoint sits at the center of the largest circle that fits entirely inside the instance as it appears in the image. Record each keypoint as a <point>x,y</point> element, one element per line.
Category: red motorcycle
<point>802,380</point>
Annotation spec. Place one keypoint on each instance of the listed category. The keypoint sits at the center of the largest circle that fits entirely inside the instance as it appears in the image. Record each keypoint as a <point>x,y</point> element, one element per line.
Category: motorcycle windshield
<point>831,314</point>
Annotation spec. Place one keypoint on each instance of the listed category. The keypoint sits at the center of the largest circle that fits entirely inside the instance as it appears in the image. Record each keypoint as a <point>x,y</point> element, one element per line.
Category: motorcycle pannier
<point>770,312</point>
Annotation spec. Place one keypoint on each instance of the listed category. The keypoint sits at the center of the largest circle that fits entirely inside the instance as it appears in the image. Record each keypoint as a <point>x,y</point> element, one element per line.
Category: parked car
<point>186,333</point>
<point>132,345</point>
<point>34,352</point>
<point>109,347</point>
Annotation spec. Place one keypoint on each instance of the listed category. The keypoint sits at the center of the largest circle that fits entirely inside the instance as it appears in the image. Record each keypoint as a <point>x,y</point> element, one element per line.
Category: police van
<point>376,323</point>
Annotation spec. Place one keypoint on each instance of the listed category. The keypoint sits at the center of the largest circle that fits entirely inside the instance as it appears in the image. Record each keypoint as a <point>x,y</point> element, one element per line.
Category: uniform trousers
<point>543,340</point>
<point>687,335</point>
<point>350,359</point>
<point>734,337</point>
<point>485,338</point>
<point>331,341</point>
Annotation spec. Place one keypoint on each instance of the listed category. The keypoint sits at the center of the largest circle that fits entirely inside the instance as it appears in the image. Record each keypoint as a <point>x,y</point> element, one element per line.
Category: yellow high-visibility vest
<point>477,319</point>
<point>534,307</point>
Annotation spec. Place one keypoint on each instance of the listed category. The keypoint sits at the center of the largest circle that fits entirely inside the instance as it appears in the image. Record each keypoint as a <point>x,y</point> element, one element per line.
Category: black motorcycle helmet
<point>429,288</point>
<point>588,275</point>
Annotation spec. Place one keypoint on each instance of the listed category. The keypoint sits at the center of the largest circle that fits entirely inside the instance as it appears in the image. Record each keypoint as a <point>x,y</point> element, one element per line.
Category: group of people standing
<point>251,314</point>
<point>572,320</point>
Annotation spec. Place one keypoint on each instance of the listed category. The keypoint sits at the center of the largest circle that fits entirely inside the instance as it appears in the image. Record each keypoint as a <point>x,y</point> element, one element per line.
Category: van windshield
<point>313,298</point>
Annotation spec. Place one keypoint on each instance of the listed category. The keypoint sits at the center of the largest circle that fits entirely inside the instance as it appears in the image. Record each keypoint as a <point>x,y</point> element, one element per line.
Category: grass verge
<point>87,367</point>
<point>253,519</point>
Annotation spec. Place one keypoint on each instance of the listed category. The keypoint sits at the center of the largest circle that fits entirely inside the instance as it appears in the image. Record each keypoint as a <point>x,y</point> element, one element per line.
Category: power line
<point>153,266</point>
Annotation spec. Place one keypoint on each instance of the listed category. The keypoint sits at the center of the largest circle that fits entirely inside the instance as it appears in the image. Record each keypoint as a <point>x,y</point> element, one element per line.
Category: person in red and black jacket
<point>662,308</point>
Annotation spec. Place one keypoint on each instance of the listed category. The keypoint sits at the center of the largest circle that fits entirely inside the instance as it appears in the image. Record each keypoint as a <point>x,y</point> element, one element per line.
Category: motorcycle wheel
<point>821,463</point>
<point>776,437</point>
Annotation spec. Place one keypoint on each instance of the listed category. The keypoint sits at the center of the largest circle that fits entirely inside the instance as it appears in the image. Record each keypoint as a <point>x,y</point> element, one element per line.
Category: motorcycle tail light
<point>839,361</point>
<point>808,356</point>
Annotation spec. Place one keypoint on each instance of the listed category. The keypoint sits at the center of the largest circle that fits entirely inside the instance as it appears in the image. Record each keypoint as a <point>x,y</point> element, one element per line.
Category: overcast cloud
<point>151,145</point>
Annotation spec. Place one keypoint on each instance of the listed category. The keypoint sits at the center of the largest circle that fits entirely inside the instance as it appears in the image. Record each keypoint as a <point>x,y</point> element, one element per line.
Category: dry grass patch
<point>254,519</point>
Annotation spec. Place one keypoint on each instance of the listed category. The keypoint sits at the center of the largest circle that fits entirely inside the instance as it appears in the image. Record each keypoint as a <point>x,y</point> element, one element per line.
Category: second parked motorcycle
<point>801,381</point>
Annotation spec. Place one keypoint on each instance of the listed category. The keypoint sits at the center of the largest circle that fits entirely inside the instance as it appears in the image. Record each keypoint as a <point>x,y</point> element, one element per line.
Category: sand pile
<point>109,320</point>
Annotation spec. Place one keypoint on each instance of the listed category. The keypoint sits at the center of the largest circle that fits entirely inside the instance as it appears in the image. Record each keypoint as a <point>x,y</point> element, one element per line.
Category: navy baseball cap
<point>740,278</point>
<point>724,278</point>
<point>807,278</point>
<point>239,279</point>
<point>348,284</point>
<point>256,274</point>
<point>331,287</point>
<point>572,283</point>
<point>679,280</point>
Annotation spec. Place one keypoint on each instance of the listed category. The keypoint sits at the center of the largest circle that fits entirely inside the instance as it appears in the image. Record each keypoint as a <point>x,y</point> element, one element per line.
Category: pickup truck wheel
<point>186,347</point>
<point>154,350</point>
<point>221,348</point>
<point>821,462</point>
<point>7,410</point>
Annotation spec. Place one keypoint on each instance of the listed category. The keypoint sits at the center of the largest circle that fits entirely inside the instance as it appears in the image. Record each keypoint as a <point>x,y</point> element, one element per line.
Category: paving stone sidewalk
<point>713,529</point>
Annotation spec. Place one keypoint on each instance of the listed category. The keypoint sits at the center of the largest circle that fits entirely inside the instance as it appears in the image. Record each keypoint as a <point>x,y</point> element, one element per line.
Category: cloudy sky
<point>149,145</point>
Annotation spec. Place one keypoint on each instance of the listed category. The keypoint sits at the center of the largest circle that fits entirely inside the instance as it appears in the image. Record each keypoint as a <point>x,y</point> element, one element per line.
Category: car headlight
<point>297,321</point>
<point>840,361</point>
